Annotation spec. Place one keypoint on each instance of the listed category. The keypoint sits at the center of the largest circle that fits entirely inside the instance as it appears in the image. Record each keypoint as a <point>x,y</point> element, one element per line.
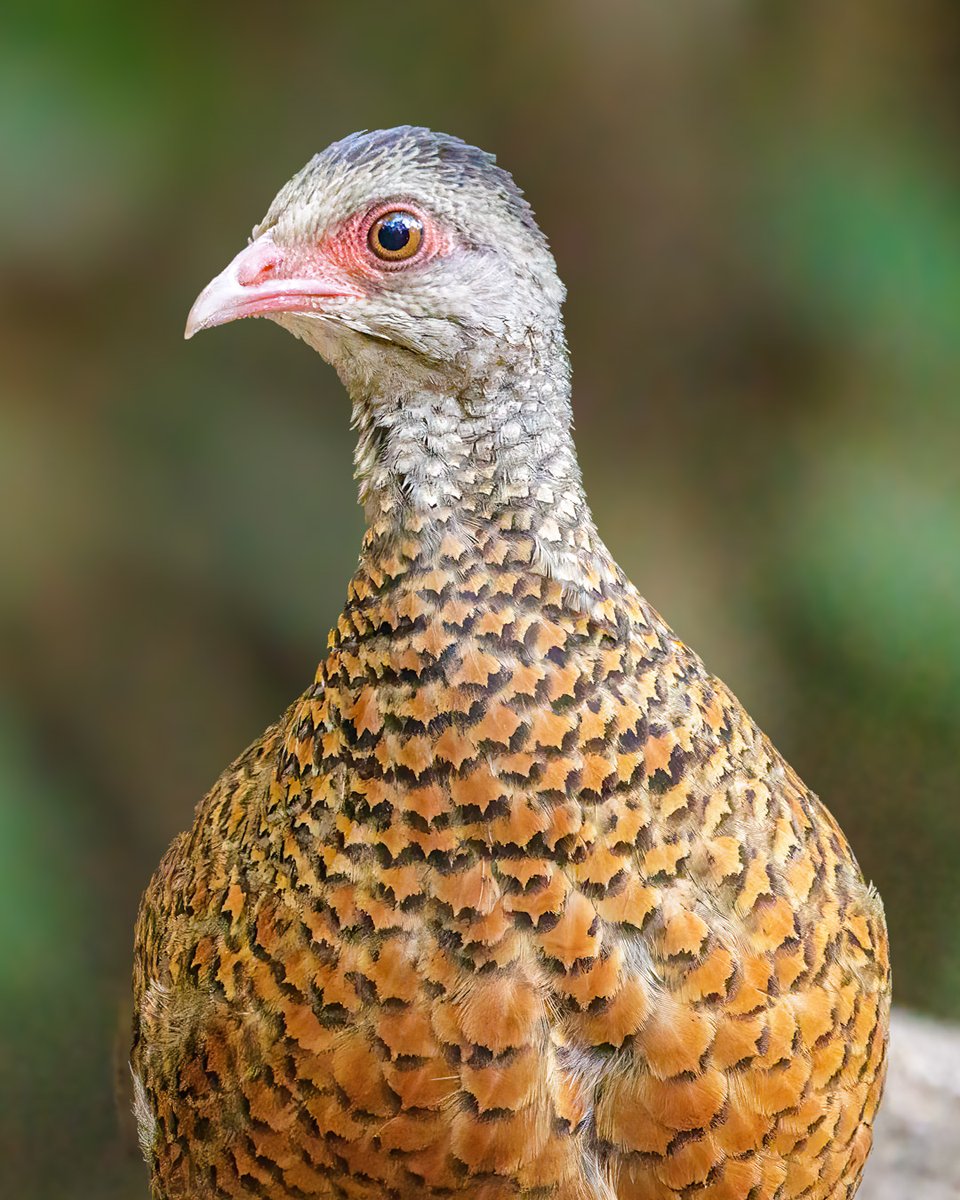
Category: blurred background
<point>756,209</point>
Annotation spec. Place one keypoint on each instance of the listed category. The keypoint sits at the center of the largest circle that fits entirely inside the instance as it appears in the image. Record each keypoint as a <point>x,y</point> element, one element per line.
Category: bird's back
<point>516,901</point>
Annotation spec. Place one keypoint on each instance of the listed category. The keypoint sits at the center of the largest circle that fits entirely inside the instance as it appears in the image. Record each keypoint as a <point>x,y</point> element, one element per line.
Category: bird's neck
<point>489,451</point>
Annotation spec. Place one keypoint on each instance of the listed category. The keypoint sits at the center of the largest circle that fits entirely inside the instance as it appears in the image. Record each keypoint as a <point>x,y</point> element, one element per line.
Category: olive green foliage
<point>756,209</point>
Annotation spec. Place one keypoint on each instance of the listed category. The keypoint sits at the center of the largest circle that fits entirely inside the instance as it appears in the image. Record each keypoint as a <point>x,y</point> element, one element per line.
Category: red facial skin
<point>347,247</point>
<point>266,278</point>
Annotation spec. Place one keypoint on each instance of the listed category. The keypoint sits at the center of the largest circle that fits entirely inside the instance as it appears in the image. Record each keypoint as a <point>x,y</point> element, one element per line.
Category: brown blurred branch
<point>915,1141</point>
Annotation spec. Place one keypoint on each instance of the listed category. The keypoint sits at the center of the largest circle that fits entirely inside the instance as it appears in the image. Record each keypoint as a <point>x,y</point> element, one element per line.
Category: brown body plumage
<point>516,900</point>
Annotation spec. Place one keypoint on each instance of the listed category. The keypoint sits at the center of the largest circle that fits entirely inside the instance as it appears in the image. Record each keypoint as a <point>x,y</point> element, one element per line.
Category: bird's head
<point>413,264</point>
<point>398,249</point>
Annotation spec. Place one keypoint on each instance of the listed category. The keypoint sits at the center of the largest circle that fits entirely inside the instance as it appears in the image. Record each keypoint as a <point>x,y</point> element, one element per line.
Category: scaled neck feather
<point>488,446</point>
<point>477,439</point>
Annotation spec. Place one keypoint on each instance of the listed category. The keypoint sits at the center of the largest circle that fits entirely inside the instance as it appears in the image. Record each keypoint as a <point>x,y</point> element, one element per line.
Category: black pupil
<point>395,232</point>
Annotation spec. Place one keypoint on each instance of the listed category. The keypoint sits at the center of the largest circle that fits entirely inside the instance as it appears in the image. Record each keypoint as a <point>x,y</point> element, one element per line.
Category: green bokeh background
<point>756,208</point>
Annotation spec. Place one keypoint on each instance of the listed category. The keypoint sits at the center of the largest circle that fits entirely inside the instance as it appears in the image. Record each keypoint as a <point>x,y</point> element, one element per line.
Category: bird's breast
<point>526,900</point>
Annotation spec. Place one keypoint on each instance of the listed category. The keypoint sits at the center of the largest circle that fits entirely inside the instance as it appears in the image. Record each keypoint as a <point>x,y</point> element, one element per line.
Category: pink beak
<point>260,281</point>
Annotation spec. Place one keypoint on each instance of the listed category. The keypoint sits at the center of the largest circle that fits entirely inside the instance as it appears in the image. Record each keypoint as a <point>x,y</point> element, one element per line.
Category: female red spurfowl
<point>516,900</point>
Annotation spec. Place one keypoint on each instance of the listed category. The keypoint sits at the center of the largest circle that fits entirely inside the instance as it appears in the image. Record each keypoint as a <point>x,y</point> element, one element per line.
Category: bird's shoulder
<point>754,844</point>
<point>192,881</point>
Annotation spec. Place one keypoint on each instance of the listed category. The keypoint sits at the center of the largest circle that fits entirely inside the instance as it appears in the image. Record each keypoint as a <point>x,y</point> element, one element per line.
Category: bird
<point>515,900</point>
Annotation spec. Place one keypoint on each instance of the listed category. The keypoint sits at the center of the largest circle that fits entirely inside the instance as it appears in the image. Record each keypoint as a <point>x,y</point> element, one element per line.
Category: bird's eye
<point>396,236</point>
